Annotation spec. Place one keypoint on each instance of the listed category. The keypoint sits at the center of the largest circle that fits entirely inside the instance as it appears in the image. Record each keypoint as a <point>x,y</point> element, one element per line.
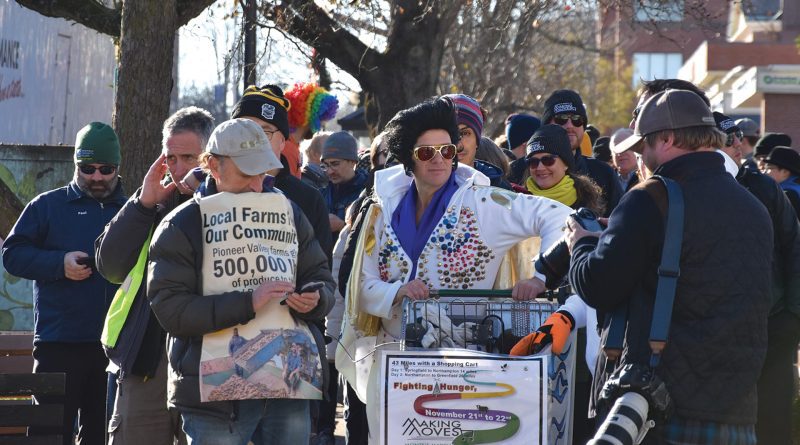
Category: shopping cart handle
<point>556,294</point>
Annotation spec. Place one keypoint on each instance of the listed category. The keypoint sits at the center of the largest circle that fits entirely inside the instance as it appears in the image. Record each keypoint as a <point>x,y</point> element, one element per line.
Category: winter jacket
<point>55,223</point>
<point>792,188</point>
<point>339,196</point>
<point>174,289</point>
<point>710,368</point>
<point>786,254</point>
<point>333,322</point>
<point>517,169</point>
<point>311,203</point>
<point>141,341</point>
<point>313,175</point>
<point>493,172</point>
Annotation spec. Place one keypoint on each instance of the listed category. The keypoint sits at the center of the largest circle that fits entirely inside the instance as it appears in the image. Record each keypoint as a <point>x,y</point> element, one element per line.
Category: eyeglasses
<point>577,120</point>
<point>427,152</point>
<point>729,140</point>
<point>330,164</point>
<point>547,161</point>
<point>90,169</point>
<point>270,133</point>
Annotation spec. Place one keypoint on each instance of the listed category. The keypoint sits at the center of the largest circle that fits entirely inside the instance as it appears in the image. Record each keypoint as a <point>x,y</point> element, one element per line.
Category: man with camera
<point>708,367</point>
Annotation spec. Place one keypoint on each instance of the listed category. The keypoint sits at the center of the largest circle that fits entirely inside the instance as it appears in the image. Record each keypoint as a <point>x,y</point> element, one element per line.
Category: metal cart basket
<point>480,320</point>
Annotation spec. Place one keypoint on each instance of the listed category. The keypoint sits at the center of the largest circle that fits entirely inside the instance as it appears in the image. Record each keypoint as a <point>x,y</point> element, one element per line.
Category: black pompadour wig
<point>407,125</point>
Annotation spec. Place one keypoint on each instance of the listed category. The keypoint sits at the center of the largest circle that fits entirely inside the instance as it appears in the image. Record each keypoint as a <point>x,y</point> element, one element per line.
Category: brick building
<point>743,53</point>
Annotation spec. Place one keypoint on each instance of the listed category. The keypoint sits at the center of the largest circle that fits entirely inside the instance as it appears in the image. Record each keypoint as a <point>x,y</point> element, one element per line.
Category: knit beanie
<point>724,123</point>
<point>563,102</point>
<point>97,143</point>
<point>340,145</point>
<point>520,128</point>
<point>266,103</point>
<point>769,141</point>
<point>311,106</point>
<point>468,112</point>
<point>552,139</point>
<point>602,149</point>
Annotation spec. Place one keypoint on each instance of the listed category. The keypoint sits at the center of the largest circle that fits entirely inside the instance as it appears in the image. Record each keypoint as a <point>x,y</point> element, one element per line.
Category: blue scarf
<point>412,236</point>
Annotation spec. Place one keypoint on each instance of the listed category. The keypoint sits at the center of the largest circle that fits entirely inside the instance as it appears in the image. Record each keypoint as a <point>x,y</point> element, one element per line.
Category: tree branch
<point>89,13</point>
<point>189,9</point>
<point>308,22</point>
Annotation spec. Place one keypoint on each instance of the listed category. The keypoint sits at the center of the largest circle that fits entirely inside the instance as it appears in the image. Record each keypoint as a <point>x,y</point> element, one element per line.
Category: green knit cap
<point>97,143</point>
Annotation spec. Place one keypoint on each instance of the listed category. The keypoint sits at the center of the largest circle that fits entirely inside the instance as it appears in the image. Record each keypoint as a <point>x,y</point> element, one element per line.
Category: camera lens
<point>624,422</point>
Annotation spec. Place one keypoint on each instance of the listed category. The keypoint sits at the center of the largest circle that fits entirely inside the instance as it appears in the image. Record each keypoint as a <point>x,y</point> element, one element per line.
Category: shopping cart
<point>480,320</point>
<point>509,400</point>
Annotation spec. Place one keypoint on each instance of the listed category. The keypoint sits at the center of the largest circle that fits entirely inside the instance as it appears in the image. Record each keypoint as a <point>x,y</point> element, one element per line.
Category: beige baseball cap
<point>245,143</point>
<point>668,110</point>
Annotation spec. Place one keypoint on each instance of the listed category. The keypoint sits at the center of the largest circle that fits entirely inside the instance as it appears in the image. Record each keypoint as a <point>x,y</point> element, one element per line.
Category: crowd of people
<point>432,204</point>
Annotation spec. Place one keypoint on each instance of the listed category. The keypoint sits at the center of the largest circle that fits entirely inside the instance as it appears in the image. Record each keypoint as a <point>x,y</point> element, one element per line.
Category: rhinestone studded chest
<point>391,253</point>
<point>455,256</point>
<point>460,253</point>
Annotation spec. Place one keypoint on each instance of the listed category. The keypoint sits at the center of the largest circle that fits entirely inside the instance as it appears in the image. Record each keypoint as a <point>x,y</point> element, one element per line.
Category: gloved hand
<point>555,330</point>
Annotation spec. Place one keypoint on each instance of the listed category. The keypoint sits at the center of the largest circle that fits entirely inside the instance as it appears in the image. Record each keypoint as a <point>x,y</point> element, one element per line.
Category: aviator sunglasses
<point>90,169</point>
<point>729,139</point>
<point>561,119</point>
<point>427,152</point>
<point>547,161</point>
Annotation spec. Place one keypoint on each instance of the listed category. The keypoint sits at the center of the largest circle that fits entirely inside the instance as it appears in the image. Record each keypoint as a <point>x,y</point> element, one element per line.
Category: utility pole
<point>249,30</point>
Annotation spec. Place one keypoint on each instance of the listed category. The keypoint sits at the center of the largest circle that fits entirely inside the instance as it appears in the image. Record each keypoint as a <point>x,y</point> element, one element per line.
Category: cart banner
<point>248,239</point>
<point>433,397</point>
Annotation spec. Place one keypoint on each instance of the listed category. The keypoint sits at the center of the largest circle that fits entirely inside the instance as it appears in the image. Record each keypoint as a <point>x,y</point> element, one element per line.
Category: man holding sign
<point>223,264</point>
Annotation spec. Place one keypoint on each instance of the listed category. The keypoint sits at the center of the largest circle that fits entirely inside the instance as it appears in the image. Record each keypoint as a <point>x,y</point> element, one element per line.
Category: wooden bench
<point>16,352</point>
<point>17,386</point>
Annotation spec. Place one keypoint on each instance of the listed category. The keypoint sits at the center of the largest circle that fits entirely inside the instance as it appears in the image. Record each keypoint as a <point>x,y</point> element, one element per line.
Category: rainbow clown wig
<point>311,105</point>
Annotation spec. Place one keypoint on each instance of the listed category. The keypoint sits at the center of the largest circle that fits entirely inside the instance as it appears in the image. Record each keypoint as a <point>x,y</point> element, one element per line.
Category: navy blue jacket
<point>339,196</point>
<point>718,332</point>
<point>55,223</point>
<point>493,172</point>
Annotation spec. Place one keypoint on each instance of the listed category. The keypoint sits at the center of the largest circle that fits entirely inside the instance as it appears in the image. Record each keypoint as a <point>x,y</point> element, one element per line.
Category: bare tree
<point>144,33</point>
<point>404,72</point>
<point>510,55</point>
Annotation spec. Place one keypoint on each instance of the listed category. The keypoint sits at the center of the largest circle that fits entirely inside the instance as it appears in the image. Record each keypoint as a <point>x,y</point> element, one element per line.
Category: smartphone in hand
<point>308,287</point>
<point>87,261</point>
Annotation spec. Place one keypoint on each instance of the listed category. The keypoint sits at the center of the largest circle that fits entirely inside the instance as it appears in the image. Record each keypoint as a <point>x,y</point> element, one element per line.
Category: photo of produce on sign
<point>460,397</point>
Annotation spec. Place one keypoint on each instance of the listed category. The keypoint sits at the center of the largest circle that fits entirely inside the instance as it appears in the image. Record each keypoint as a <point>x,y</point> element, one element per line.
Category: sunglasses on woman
<point>729,140</point>
<point>547,161</point>
<point>427,152</point>
<point>561,119</point>
<point>90,169</point>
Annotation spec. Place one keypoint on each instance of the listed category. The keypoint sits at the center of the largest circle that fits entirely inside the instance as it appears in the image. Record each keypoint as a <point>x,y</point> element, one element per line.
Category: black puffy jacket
<point>174,283</point>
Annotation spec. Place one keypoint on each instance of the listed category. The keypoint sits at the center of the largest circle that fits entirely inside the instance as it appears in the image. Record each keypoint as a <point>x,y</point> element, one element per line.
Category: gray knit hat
<point>340,145</point>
